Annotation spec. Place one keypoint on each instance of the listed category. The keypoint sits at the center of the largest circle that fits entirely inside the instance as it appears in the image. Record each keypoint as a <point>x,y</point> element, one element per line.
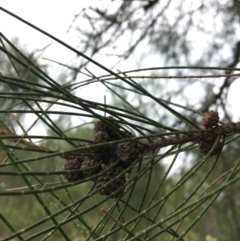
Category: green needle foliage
<point>124,191</point>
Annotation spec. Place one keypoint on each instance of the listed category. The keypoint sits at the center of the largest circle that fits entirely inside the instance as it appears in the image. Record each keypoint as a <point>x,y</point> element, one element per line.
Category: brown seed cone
<point>105,153</point>
<point>210,119</point>
<point>101,126</point>
<point>205,146</point>
<point>128,151</point>
<point>73,164</point>
<point>101,136</point>
<point>116,184</point>
<point>114,133</point>
<point>108,155</point>
<point>86,167</point>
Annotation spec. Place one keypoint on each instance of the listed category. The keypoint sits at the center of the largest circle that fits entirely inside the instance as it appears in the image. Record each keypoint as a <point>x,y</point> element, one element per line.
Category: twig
<point>193,136</point>
<point>118,223</point>
<point>159,77</point>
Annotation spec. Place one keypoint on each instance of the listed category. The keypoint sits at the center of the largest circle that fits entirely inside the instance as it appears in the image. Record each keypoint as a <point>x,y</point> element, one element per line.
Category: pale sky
<point>53,16</point>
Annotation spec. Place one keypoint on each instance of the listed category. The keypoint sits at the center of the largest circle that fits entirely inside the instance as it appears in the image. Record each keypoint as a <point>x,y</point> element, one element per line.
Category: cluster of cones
<point>109,159</point>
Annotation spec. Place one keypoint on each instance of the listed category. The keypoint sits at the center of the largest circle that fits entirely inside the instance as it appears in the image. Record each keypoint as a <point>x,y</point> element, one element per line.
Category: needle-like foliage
<point>104,178</point>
